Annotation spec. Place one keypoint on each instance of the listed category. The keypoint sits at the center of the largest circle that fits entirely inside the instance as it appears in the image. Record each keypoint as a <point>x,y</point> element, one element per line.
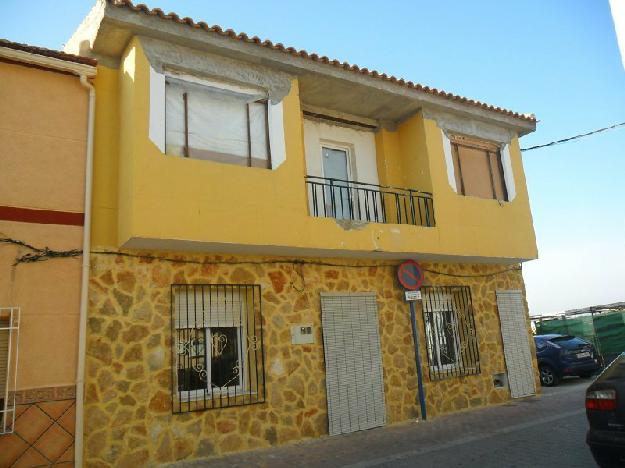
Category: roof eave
<point>112,26</point>
<point>45,61</point>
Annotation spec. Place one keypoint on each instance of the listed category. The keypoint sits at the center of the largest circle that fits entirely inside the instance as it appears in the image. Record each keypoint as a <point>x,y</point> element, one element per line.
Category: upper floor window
<point>217,122</point>
<point>478,168</point>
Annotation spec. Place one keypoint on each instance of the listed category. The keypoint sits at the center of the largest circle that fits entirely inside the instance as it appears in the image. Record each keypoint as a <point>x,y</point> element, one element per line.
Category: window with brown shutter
<point>477,168</point>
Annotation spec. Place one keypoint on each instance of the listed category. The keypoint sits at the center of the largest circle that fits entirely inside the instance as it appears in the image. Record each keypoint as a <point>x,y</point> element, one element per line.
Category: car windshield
<point>569,342</point>
<point>616,370</point>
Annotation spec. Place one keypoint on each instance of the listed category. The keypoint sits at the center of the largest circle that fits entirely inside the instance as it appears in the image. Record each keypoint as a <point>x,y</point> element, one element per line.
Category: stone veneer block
<point>128,397</point>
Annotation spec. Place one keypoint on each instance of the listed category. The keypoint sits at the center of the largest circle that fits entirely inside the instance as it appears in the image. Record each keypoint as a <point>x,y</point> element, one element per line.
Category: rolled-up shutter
<point>515,334</point>
<point>354,379</point>
<point>201,307</point>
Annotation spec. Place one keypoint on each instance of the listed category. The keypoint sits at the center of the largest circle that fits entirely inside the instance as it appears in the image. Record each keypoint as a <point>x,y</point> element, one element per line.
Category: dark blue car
<point>561,355</point>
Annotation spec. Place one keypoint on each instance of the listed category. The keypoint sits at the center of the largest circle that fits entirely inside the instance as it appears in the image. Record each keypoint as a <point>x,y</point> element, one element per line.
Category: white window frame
<point>13,328</point>
<point>349,154</point>
<point>349,161</point>
<point>231,390</point>
<point>440,307</point>
<point>434,345</point>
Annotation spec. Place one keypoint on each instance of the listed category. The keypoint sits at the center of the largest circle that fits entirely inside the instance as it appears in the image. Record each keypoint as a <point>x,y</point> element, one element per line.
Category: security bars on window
<point>9,346</point>
<point>451,340</point>
<point>217,346</point>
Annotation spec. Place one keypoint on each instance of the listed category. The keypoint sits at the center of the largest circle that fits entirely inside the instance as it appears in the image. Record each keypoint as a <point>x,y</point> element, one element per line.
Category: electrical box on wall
<point>302,334</point>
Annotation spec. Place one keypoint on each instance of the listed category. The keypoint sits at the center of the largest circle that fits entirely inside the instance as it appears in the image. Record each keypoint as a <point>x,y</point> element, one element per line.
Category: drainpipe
<point>84,285</point>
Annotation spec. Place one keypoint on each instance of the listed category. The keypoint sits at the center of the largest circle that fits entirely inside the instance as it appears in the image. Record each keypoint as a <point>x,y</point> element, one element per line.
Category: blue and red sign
<point>410,275</point>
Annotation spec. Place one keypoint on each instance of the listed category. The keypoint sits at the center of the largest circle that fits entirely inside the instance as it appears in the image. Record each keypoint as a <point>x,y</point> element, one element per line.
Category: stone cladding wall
<point>128,417</point>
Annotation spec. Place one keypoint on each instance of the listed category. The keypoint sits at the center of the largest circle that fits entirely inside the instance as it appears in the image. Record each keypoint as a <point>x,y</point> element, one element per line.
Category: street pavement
<point>546,431</point>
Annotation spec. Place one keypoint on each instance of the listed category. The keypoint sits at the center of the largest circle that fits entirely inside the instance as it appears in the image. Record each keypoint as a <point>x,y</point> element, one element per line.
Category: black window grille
<point>451,339</point>
<point>217,346</point>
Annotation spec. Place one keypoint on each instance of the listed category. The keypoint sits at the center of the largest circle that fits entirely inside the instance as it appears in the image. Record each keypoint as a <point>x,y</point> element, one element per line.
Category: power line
<point>564,140</point>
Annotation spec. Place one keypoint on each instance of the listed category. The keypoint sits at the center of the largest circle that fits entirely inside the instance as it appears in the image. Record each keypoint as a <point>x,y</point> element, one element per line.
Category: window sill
<point>215,395</point>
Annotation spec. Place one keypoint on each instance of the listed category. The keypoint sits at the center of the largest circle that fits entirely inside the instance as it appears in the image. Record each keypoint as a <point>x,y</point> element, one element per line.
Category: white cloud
<point>618,15</point>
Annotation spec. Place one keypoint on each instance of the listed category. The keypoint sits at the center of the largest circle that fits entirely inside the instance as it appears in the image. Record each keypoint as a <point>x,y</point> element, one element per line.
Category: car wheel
<point>586,375</point>
<point>548,377</point>
<point>607,458</point>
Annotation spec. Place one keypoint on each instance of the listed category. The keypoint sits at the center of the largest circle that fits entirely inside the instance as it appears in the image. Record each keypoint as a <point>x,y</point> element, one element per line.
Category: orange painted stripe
<point>29,215</point>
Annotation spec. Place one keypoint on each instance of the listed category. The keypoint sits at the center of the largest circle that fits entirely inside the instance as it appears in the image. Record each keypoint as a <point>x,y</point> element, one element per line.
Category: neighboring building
<point>43,135</point>
<point>246,232</point>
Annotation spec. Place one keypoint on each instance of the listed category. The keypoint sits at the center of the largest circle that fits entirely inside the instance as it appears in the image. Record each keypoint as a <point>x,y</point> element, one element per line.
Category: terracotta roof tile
<point>142,8</point>
<point>57,54</point>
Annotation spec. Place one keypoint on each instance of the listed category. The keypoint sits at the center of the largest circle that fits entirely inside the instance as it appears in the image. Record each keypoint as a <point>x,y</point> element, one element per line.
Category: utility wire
<point>564,140</point>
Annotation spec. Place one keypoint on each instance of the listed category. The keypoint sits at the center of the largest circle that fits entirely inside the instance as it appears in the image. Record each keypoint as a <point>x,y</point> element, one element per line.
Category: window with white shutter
<point>451,337</point>
<point>217,346</point>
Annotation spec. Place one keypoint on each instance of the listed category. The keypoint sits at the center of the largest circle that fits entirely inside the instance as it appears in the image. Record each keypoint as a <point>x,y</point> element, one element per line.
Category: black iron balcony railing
<point>359,201</point>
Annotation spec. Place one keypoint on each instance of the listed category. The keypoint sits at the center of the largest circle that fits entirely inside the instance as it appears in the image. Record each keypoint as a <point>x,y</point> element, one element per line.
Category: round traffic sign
<point>410,275</point>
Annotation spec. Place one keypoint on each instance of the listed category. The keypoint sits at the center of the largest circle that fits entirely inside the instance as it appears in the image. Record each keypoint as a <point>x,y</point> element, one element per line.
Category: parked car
<point>605,410</point>
<point>561,355</point>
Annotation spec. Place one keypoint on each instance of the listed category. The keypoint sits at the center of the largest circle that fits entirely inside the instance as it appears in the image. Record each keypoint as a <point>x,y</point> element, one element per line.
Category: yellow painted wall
<point>43,130</point>
<point>106,157</point>
<point>170,198</point>
<point>42,123</point>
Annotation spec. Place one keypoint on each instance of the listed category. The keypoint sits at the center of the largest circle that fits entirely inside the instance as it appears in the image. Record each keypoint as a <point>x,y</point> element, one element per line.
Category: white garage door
<point>516,345</point>
<point>354,383</point>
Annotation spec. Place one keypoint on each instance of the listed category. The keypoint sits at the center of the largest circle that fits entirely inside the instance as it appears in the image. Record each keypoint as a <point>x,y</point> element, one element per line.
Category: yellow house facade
<point>251,205</point>
<point>44,108</point>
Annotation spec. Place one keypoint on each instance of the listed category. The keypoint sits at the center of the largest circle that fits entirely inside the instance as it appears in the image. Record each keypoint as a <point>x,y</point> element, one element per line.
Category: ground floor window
<point>9,347</point>
<point>451,339</point>
<point>218,352</point>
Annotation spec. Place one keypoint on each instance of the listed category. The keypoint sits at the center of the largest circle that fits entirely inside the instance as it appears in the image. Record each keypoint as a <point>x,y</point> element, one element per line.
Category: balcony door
<point>336,193</point>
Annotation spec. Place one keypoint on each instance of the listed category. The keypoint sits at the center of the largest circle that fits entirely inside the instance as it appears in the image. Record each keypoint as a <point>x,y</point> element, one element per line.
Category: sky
<point>557,59</point>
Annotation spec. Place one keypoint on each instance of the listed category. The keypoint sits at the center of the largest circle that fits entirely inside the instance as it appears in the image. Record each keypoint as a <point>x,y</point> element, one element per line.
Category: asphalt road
<point>548,431</point>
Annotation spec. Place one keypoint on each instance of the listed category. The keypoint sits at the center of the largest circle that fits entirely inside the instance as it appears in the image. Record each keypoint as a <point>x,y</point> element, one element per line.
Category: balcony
<point>358,201</point>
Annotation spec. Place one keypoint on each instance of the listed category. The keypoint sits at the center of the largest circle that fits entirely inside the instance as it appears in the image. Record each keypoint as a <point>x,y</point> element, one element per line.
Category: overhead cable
<point>581,135</point>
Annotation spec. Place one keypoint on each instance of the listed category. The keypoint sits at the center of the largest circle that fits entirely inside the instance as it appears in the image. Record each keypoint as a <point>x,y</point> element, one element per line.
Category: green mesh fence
<point>606,331</point>
<point>610,330</point>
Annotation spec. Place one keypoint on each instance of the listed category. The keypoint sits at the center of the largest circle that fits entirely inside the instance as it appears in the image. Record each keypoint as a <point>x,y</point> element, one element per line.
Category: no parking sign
<point>410,275</point>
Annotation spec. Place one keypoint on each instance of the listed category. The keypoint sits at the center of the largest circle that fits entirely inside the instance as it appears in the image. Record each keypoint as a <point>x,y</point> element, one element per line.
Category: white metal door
<point>515,334</point>
<point>354,382</point>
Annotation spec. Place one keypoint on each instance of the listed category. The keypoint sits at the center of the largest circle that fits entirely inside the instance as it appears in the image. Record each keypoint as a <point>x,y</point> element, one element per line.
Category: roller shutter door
<point>354,381</point>
<point>514,332</point>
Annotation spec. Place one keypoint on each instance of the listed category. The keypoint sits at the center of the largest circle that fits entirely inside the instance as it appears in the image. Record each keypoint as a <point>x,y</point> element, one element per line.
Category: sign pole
<point>410,276</point>
<point>417,356</point>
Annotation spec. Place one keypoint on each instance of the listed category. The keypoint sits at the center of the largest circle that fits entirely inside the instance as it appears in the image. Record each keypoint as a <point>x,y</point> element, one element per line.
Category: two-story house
<point>251,204</point>
<point>44,113</point>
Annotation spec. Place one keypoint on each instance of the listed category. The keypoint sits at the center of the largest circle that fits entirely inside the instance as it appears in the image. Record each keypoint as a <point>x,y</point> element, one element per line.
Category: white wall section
<point>508,175</point>
<point>361,144</point>
<point>276,134</point>
<point>157,109</point>
<point>449,160</point>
